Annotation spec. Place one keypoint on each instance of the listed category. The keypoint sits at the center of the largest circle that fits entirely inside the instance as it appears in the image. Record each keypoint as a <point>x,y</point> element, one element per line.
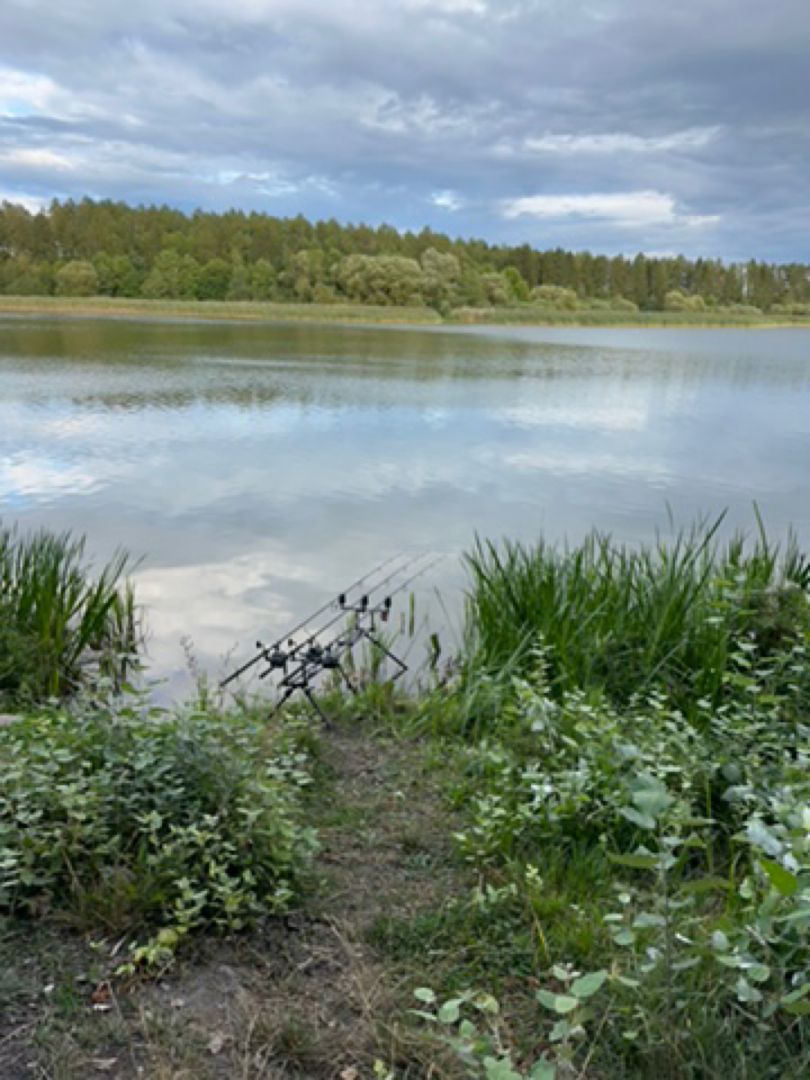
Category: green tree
<point>496,289</point>
<point>262,280</point>
<point>441,276</point>
<point>23,276</point>
<point>173,276</point>
<point>116,275</point>
<point>157,251</point>
<point>517,285</point>
<point>213,280</point>
<point>239,286</point>
<point>555,296</point>
<point>77,278</point>
<point>381,279</point>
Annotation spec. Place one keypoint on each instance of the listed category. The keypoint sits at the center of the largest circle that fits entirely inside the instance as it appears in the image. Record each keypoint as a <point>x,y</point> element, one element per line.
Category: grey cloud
<point>439,112</point>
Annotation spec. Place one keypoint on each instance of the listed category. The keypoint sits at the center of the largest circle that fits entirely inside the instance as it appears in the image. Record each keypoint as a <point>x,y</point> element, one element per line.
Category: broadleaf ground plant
<point>632,762</point>
<point>151,824</point>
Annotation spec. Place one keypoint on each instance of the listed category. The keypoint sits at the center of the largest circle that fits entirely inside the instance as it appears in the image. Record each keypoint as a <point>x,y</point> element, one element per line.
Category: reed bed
<point>622,619</point>
<point>60,624</point>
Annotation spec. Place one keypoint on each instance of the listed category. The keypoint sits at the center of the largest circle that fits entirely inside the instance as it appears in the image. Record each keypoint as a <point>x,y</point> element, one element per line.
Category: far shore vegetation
<point>582,849</point>
<point>108,258</point>
<point>347,312</point>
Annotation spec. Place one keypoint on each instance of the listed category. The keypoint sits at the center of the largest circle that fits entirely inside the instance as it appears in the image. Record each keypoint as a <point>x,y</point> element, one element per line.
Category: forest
<point>104,248</point>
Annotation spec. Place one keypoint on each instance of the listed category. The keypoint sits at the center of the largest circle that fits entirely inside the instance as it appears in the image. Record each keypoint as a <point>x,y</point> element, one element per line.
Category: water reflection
<point>258,468</point>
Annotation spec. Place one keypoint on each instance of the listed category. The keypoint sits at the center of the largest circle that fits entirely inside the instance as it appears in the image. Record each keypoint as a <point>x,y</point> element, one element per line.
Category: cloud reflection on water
<point>260,469</point>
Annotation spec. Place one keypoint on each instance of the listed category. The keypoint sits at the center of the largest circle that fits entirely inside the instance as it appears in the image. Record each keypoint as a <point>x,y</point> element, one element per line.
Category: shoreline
<point>216,311</point>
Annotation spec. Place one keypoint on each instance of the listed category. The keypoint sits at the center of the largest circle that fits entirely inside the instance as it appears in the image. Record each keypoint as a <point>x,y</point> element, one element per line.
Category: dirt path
<point>309,998</point>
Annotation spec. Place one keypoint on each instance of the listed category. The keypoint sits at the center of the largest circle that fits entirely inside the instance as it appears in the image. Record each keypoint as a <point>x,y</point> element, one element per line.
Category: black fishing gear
<point>302,655</point>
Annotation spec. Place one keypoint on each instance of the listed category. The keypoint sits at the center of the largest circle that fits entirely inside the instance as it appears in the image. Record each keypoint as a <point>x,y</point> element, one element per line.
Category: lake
<point>257,469</point>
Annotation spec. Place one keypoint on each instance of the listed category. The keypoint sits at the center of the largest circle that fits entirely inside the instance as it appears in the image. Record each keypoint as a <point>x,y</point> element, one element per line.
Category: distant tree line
<point>92,248</point>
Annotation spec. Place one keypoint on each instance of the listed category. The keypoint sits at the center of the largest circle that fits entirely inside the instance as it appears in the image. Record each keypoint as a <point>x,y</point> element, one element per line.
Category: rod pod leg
<point>403,667</point>
<point>327,723</point>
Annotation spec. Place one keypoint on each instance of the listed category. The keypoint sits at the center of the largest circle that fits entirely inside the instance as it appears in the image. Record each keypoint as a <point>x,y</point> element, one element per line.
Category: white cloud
<point>446,200</point>
<point>22,92</point>
<point>629,209</point>
<point>558,463</point>
<point>36,159</point>
<point>621,142</point>
<point>447,7</point>
<point>616,414</point>
<point>424,115</point>
<point>27,93</point>
<point>40,479</point>
<point>32,203</point>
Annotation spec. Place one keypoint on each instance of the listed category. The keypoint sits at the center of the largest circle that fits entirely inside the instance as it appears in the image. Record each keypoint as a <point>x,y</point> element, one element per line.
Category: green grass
<point>627,745</point>
<point>623,620</point>
<point>537,315</point>
<point>61,624</point>
<point>238,310</point>
<point>272,311</point>
<point>591,846</point>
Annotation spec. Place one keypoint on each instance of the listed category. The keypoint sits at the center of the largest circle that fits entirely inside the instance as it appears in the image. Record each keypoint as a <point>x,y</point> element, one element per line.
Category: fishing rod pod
<point>265,652</point>
<point>301,662</point>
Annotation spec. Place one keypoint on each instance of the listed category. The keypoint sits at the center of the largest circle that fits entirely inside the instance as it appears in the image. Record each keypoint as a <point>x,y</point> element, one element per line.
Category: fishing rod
<point>266,650</point>
<point>365,610</point>
<point>279,658</point>
<point>319,658</point>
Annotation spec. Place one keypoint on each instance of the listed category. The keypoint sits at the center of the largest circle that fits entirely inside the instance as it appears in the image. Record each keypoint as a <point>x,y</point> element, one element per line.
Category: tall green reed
<point>620,619</point>
<point>60,624</point>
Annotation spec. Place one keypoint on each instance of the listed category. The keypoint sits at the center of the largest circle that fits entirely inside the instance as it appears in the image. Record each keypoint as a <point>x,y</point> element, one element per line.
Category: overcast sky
<point>609,125</point>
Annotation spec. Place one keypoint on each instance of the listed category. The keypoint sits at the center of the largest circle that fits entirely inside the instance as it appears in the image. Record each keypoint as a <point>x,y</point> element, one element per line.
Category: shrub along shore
<point>609,832</point>
<point>526,314</point>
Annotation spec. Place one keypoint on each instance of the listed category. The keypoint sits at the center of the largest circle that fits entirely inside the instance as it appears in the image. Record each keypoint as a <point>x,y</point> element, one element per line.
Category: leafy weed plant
<point>151,824</point>
<point>697,834</point>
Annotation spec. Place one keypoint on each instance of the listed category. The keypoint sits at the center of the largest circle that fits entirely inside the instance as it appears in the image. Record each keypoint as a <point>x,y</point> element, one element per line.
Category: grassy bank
<point>627,744</point>
<point>254,311</point>
<point>213,310</point>
<point>585,855</point>
<point>536,315</point>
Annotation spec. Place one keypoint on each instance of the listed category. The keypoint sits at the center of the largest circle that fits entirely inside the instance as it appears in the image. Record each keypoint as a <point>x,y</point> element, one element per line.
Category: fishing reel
<point>300,662</point>
<point>275,657</point>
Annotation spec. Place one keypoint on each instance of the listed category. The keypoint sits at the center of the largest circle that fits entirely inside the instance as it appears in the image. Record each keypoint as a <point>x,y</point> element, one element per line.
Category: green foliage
<point>77,278</point>
<point>262,280</point>
<point>621,303</point>
<point>619,619</point>
<point>172,275</point>
<point>380,279</point>
<point>23,276</point>
<point>675,300</point>
<point>496,289</point>
<point>116,275</point>
<point>166,249</point>
<point>60,625</point>
<point>148,823</point>
<point>441,277</point>
<point>213,280</point>
<point>469,1024</point>
<point>517,284</point>
<point>629,745</point>
<point>699,836</point>
<point>556,296</point>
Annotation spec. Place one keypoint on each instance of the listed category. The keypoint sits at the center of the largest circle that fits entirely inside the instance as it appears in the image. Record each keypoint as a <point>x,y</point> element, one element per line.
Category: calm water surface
<point>258,469</point>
